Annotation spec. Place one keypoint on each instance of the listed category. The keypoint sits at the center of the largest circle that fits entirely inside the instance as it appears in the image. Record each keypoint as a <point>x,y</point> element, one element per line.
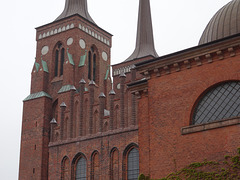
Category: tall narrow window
<point>56,63</point>
<point>59,60</point>
<point>133,164</point>
<point>62,61</point>
<point>93,64</point>
<point>94,67</point>
<point>81,170</point>
<point>89,65</point>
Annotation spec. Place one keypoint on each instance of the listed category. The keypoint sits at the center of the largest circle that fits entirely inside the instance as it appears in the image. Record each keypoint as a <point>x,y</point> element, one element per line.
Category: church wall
<point>171,100</point>
<point>103,143</point>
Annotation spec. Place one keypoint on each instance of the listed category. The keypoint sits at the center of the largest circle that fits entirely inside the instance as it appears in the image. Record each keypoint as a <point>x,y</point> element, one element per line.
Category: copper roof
<point>145,43</point>
<point>225,22</point>
<point>75,7</point>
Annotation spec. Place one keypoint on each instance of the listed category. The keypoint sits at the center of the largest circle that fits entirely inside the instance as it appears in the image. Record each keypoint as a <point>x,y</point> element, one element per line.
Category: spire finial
<point>144,43</point>
<point>76,7</point>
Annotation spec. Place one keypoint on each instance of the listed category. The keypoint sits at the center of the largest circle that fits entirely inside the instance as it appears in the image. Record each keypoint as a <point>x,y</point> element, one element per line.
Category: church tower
<point>76,124</point>
<point>72,61</point>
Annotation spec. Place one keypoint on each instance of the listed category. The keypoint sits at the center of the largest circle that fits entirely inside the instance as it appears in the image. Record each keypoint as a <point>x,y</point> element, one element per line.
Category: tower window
<point>89,65</point>
<point>221,102</point>
<point>62,61</point>
<point>94,67</point>
<point>59,57</point>
<point>92,64</point>
<point>56,62</point>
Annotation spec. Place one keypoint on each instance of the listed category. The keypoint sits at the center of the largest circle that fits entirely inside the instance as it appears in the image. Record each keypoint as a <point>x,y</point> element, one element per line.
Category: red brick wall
<point>103,144</point>
<point>168,107</point>
<point>35,139</point>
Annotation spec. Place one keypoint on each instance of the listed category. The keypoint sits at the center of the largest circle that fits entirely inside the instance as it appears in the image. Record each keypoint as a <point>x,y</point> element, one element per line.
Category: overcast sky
<point>177,25</point>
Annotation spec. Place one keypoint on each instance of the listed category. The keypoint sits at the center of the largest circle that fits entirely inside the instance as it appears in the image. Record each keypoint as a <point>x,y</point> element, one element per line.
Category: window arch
<point>65,175</point>
<point>95,166</point>
<point>59,60</point>
<point>220,102</point>
<point>131,162</point>
<point>92,64</point>
<point>79,170</point>
<point>114,164</point>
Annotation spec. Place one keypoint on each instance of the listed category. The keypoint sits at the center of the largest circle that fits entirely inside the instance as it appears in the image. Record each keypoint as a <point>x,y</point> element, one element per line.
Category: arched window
<point>133,164</point>
<point>56,63</point>
<point>94,67</point>
<point>62,61</point>
<point>92,64</point>
<point>95,166</point>
<point>81,169</point>
<point>59,57</point>
<point>65,175</point>
<point>221,102</point>
<point>114,169</point>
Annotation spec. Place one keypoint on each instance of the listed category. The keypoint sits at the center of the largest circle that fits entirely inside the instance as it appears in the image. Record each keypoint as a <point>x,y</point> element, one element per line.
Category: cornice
<point>190,58</point>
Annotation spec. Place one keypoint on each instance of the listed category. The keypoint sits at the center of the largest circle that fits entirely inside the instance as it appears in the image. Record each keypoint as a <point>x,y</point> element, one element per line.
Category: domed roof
<point>224,23</point>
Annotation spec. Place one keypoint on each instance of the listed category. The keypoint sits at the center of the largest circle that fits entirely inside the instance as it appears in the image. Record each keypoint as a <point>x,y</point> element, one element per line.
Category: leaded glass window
<point>221,102</point>
<point>81,169</point>
<point>133,164</point>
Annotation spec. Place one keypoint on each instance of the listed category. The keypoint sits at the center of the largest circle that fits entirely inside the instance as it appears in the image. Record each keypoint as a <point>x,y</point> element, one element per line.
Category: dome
<point>224,23</point>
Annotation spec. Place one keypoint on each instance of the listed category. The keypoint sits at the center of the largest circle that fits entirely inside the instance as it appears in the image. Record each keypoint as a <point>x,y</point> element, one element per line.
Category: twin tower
<point>79,121</point>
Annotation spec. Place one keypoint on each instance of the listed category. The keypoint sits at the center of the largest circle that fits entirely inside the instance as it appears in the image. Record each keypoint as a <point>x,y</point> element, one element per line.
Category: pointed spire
<point>76,7</point>
<point>145,43</point>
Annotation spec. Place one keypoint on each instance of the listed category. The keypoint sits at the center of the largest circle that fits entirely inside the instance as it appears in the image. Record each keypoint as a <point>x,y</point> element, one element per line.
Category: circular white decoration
<point>45,50</point>
<point>82,44</point>
<point>118,86</point>
<point>104,56</point>
<point>69,41</point>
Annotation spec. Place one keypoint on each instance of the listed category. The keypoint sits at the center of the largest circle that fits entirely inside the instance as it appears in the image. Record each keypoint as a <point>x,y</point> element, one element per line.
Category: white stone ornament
<point>82,44</point>
<point>69,41</point>
<point>45,50</point>
<point>104,56</point>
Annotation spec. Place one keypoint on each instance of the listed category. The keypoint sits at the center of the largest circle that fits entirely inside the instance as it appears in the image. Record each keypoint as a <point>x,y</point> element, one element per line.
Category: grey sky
<point>177,25</point>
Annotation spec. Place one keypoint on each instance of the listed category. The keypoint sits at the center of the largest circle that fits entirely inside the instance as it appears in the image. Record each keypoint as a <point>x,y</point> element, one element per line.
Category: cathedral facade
<point>152,115</point>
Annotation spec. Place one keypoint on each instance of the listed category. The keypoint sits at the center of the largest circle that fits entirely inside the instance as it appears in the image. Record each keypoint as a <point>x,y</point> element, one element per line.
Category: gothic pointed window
<point>59,60</point>
<point>94,67</point>
<point>220,102</point>
<point>56,63</point>
<point>92,64</point>
<point>62,61</point>
<point>81,169</point>
<point>89,65</point>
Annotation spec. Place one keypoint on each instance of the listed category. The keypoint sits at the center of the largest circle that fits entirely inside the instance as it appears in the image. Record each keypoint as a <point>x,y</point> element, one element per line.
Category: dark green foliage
<point>142,177</point>
<point>229,169</point>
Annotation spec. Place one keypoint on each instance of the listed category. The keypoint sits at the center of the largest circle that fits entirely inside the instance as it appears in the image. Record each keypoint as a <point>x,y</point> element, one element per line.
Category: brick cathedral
<point>84,120</point>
